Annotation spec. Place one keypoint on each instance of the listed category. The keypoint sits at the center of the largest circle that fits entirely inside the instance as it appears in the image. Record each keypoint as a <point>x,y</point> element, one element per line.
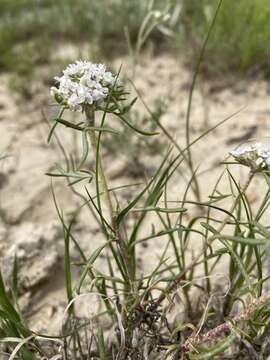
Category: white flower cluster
<point>256,156</point>
<point>83,83</point>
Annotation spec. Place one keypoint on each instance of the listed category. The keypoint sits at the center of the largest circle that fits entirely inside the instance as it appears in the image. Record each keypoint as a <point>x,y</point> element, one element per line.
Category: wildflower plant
<point>88,88</point>
<point>131,301</point>
<point>215,318</point>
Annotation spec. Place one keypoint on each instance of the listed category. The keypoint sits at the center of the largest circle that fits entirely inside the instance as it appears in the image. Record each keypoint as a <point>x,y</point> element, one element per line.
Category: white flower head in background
<point>256,156</point>
<point>83,83</point>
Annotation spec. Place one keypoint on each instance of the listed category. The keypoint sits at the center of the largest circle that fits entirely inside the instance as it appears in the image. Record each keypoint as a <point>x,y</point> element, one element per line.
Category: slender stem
<point>191,91</point>
<point>90,117</point>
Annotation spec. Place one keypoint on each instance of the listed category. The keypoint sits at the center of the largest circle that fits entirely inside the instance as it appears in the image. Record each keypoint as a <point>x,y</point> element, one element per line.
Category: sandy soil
<point>29,225</point>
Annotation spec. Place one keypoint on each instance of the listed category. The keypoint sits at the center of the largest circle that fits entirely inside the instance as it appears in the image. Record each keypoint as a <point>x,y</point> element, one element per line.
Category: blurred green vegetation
<point>240,41</point>
<point>47,23</point>
<point>30,30</point>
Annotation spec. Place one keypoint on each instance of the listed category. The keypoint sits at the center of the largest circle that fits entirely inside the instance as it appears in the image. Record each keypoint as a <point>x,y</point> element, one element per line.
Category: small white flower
<point>256,156</point>
<point>74,102</point>
<point>97,95</point>
<point>108,78</point>
<point>83,83</point>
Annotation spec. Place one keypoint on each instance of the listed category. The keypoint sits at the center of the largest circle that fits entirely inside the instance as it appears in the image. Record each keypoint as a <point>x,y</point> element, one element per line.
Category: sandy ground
<point>29,225</point>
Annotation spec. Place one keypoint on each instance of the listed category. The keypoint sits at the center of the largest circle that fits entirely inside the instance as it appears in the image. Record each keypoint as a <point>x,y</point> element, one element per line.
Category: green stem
<point>90,117</point>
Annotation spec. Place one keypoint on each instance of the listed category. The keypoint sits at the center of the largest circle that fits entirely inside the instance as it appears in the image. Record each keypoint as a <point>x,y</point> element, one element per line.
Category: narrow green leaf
<point>88,265</point>
<point>15,279</point>
<point>51,132</point>
<point>153,194</point>
<point>67,262</point>
<point>78,176</point>
<point>69,124</point>
<point>159,209</point>
<point>242,240</point>
<point>239,263</point>
<point>5,303</point>
<point>124,212</point>
<point>101,345</point>
<point>129,106</point>
<point>141,132</point>
<point>67,265</point>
